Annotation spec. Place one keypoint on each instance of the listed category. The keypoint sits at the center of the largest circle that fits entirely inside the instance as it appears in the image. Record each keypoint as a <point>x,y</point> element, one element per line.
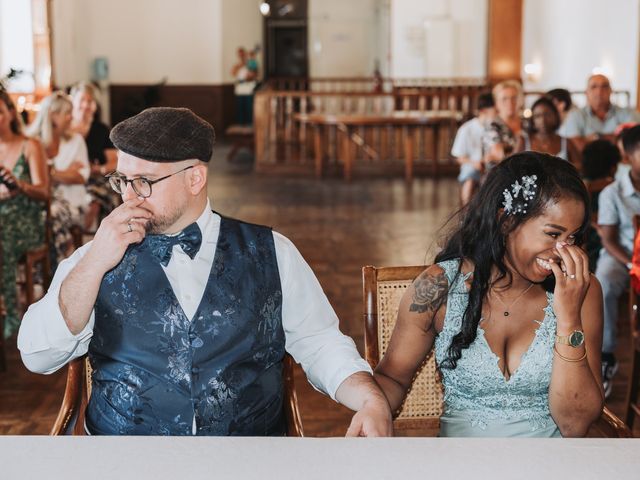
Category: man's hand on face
<point>122,227</point>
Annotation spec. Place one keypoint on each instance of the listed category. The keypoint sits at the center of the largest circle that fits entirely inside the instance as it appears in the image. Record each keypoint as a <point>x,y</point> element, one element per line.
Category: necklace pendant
<point>506,314</point>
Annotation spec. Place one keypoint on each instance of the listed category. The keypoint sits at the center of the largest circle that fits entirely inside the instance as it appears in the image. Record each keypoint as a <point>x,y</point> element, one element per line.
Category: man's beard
<point>159,224</point>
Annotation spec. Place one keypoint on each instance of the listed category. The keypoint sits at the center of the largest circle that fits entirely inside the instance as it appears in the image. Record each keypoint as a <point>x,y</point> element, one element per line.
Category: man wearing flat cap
<point>186,314</point>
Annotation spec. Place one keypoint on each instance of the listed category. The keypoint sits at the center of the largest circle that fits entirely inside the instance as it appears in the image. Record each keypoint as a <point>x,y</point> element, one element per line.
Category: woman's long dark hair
<point>481,234</point>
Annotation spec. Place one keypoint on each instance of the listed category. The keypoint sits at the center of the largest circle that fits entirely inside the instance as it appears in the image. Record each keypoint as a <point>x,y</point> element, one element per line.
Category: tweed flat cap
<point>164,134</point>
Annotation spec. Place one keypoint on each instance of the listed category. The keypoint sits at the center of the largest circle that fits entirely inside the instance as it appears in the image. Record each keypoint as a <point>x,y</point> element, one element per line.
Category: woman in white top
<point>69,162</point>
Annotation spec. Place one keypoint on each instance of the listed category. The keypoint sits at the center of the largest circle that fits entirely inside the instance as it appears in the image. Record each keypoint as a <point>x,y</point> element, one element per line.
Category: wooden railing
<point>284,144</point>
<point>365,84</point>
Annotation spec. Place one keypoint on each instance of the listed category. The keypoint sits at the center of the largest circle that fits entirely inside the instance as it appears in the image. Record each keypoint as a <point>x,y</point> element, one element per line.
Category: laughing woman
<point>511,310</point>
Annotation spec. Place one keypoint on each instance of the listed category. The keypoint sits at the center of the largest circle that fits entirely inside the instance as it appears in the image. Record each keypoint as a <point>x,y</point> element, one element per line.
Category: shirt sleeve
<point>310,325</point>
<point>460,143</point>
<point>44,341</point>
<point>607,211</point>
<point>573,125</point>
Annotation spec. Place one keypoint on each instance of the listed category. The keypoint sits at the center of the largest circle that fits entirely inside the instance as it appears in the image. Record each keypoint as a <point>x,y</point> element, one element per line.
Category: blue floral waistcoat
<point>156,372</point>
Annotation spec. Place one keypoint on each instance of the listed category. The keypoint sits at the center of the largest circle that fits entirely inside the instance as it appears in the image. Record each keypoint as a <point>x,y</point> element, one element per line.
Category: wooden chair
<point>70,419</point>
<point>240,136</point>
<point>3,313</point>
<point>633,402</point>
<point>38,256</point>
<point>421,410</point>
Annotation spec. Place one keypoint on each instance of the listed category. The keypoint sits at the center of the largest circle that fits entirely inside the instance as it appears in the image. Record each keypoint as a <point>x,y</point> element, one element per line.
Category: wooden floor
<point>338,227</point>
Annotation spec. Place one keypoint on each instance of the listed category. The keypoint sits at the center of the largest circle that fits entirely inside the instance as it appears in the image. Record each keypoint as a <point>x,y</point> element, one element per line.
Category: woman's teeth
<point>543,263</point>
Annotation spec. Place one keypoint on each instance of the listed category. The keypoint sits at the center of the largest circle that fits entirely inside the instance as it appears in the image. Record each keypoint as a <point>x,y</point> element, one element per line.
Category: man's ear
<point>198,178</point>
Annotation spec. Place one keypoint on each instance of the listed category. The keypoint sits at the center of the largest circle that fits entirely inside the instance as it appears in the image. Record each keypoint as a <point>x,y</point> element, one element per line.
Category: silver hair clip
<point>512,204</point>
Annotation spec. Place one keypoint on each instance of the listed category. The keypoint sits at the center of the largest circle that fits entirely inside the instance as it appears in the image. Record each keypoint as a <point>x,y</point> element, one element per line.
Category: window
<point>25,48</point>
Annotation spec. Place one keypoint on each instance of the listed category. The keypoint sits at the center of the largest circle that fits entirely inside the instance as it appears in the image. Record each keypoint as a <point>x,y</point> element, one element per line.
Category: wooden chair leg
<point>29,293</point>
<point>3,359</point>
<point>633,409</point>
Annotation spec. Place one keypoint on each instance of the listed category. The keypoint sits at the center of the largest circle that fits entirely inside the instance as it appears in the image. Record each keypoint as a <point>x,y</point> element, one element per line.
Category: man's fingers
<point>354,429</point>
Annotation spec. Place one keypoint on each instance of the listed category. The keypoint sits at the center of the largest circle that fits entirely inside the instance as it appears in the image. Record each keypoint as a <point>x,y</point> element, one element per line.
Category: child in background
<point>617,205</point>
<point>467,147</point>
<point>599,163</point>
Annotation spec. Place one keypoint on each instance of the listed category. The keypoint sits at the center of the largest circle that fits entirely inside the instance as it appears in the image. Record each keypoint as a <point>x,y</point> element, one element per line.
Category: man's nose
<point>129,193</point>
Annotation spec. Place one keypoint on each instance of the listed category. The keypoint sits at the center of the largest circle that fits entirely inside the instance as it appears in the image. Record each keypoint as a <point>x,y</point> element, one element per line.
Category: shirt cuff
<point>344,372</point>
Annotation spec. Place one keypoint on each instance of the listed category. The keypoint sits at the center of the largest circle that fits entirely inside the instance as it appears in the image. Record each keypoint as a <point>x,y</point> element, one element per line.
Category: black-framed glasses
<point>140,185</point>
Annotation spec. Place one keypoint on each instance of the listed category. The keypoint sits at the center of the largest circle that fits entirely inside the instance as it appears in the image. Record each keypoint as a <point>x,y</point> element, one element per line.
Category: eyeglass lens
<point>140,185</point>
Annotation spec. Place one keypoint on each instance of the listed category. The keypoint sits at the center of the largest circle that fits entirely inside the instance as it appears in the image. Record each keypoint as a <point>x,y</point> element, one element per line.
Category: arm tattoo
<point>430,293</point>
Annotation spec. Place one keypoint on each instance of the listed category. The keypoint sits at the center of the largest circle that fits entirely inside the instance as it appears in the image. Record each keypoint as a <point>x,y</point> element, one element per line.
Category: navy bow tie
<point>189,240</point>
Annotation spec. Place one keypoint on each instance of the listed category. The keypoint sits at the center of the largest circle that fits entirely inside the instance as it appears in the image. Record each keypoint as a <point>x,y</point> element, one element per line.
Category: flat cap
<point>164,134</point>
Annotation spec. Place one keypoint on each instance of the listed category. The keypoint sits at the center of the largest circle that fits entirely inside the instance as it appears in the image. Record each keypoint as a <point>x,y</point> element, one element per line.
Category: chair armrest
<point>68,413</point>
<point>611,426</point>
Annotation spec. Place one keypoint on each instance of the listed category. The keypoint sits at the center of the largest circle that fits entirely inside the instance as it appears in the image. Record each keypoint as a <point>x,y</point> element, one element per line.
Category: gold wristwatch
<point>574,339</point>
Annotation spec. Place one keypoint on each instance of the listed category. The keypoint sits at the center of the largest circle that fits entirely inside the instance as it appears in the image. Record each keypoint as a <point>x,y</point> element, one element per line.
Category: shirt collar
<point>207,221</point>
<point>627,185</point>
<point>611,112</point>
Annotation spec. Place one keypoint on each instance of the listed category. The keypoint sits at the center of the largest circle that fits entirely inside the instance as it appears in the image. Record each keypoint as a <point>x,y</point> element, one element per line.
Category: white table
<point>180,458</point>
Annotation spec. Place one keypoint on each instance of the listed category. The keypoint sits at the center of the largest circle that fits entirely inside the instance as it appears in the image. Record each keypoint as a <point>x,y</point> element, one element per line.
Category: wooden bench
<point>240,136</point>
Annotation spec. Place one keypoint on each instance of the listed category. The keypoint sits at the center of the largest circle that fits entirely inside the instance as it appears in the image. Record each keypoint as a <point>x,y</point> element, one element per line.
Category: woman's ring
<point>131,229</point>
<point>572,276</point>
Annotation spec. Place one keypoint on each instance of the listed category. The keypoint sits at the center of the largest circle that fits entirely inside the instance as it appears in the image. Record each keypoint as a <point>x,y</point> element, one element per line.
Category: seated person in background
<point>503,137</point>
<point>599,161</point>
<point>624,164</point>
<point>24,189</point>
<point>617,204</point>
<point>102,155</point>
<point>467,147</point>
<point>185,314</point>
<point>510,309</point>
<point>561,98</point>
<point>543,137</point>
<point>599,118</point>
<point>69,161</point>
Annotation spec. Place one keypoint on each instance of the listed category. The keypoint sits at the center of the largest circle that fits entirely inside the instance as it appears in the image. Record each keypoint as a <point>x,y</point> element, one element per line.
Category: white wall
<point>342,38</point>
<point>438,38</point>
<point>568,38</point>
<point>143,40</point>
<point>241,27</point>
<point>16,44</point>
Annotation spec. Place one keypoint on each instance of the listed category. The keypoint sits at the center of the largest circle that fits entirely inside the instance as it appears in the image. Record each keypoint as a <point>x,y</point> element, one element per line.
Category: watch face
<point>576,338</point>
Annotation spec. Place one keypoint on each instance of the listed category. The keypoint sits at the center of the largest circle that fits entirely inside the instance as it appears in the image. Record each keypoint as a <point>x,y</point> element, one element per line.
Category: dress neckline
<point>536,335</point>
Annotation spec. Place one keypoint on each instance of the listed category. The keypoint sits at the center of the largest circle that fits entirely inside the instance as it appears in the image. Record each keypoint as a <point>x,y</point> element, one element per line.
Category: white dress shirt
<point>310,325</point>
<point>72,150</point>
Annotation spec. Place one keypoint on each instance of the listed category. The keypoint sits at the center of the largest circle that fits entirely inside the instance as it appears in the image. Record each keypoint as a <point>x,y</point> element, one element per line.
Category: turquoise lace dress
<point>478,400</point>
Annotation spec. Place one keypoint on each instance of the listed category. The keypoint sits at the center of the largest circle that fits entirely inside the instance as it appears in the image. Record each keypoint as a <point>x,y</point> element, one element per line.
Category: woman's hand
<point>9,185</point>
<point>572,283</point>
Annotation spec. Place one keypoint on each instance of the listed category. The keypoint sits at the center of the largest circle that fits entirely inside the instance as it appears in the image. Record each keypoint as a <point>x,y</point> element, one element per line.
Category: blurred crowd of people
<point>601,139</point>
<point>52,180</point>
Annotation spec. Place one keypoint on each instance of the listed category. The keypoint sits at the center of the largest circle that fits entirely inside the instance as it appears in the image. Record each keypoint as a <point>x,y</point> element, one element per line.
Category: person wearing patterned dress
<point>511,310</point>
<point>186,314</point>
<point>24,189</point>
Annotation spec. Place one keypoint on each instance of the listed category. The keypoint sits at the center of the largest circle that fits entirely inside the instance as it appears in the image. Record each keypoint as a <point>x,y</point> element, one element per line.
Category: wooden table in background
<point>408,120</point>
